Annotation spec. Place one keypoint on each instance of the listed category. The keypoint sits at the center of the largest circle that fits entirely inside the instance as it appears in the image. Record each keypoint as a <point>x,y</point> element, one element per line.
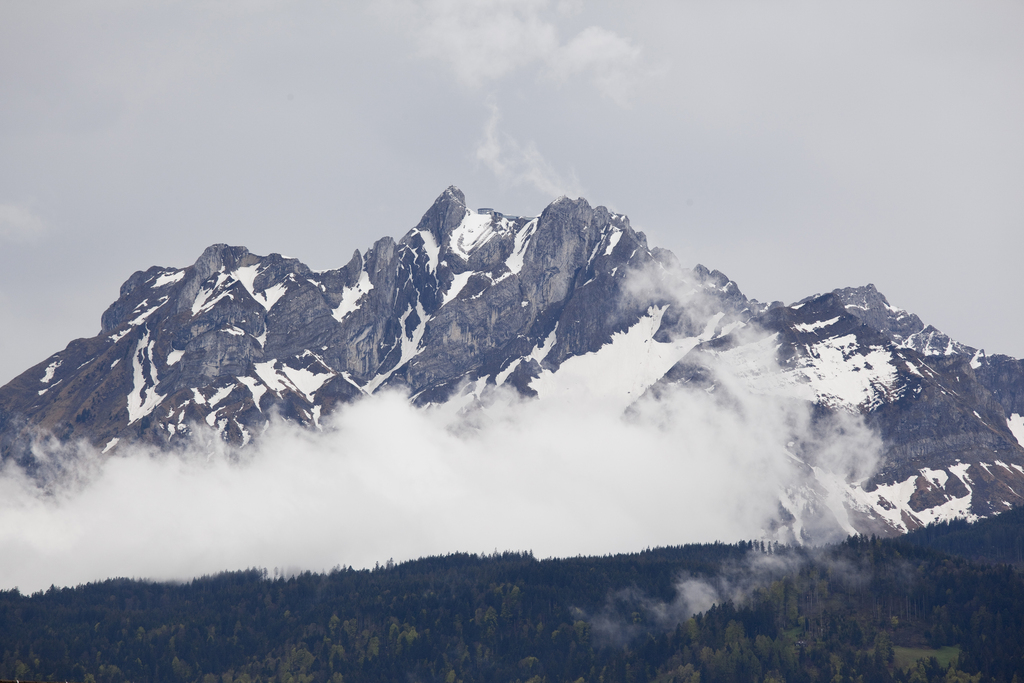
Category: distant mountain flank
<point>471,299</point>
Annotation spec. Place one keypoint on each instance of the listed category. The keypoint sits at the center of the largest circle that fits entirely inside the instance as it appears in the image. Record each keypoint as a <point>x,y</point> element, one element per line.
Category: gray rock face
<point>902,327</point>
<point>943,411</point>
<point>470,299</point>
<point>236,336</point>
<point>1004,377</point>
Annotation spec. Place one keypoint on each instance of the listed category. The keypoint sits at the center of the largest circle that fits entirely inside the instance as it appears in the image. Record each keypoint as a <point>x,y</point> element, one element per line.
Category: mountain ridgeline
<point>472,300</point>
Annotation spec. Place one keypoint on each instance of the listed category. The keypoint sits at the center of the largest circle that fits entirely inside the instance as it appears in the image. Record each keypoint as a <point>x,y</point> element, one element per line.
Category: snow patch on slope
<point>1016,424</point>
<point>143,397</point>
<point>612,241</point>
<point>892,501</point>
<point>620,371</point>
<point>474,230</point>
<point>839,373</point>
<point>755,364</point>
<point>255,388</point>
<point>538,354</point>
<point>458,284</point>
<point>410,345</point>
<point>931,342</point>
<point>50,369</point>
<point>271,295</point>
<point>168,278</point>
<point>246,275</point>
<point>433,251</point>
<point>201,304</point>
<point>835,372</point>
<point>220,395</point>
<point>811,327</point>
<point>514,262</point>
<point>306,381</point>
<point>268,374</point>
<point>141,318</point>
<point>351,295</point>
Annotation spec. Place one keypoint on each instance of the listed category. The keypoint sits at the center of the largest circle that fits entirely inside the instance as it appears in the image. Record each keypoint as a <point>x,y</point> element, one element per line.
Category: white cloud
<point>19,224</point>
<point>569,473</point>
<point>386,479</point>
<point>612,62</point>
<point>518,164</point>
<point>480,40</point>
<point>485,40</point>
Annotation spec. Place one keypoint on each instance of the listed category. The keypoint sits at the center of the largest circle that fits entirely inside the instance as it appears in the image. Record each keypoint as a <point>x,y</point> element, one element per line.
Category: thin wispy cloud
<point>486,43</point>
<point>479,41</point>
<point>19,224</point>
<point>482,41</point>
<point>612,63</point>
<point>515,163</point>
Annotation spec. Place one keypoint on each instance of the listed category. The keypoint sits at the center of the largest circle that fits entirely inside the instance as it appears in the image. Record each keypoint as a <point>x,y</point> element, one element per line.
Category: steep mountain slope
<point>464,296</point>
<point>572,302</point>
<point>947,413</point>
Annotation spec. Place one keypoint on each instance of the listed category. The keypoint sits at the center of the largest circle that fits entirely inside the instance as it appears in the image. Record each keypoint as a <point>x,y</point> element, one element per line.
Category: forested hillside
<point>997,539</point>
<point>862,610</point>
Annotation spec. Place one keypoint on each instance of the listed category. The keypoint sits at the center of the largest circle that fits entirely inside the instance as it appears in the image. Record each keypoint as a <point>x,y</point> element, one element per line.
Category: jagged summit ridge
<point>903,327</point>
<point>459,297</point>
<point>572,300</point>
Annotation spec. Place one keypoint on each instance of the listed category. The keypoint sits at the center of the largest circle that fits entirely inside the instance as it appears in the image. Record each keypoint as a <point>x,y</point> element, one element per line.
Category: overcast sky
<point>797,147</point>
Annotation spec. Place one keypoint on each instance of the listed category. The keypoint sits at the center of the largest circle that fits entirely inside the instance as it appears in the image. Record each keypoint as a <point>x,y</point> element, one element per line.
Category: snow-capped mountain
<point>949,416</point>
<point>571,300</point>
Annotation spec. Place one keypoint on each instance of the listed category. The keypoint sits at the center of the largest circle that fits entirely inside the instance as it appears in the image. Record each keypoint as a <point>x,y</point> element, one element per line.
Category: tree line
<point>839,613</point>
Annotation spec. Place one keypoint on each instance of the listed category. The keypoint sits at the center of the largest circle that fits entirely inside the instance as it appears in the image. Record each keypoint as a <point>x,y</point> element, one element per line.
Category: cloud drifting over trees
<point>387,480</point>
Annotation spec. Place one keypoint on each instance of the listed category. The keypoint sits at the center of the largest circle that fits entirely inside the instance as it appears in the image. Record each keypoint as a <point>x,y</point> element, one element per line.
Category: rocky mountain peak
<point>571,300</point>
<point>444,215</point>
<point>902,327</point>
<point>871,306</point>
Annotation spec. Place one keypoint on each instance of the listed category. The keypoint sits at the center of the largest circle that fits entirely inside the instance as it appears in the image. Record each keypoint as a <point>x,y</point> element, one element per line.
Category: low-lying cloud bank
<point>384,479</point>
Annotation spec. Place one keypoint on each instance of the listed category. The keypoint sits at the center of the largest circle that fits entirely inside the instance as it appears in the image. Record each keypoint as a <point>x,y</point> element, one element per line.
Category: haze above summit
<point>797,148</point>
